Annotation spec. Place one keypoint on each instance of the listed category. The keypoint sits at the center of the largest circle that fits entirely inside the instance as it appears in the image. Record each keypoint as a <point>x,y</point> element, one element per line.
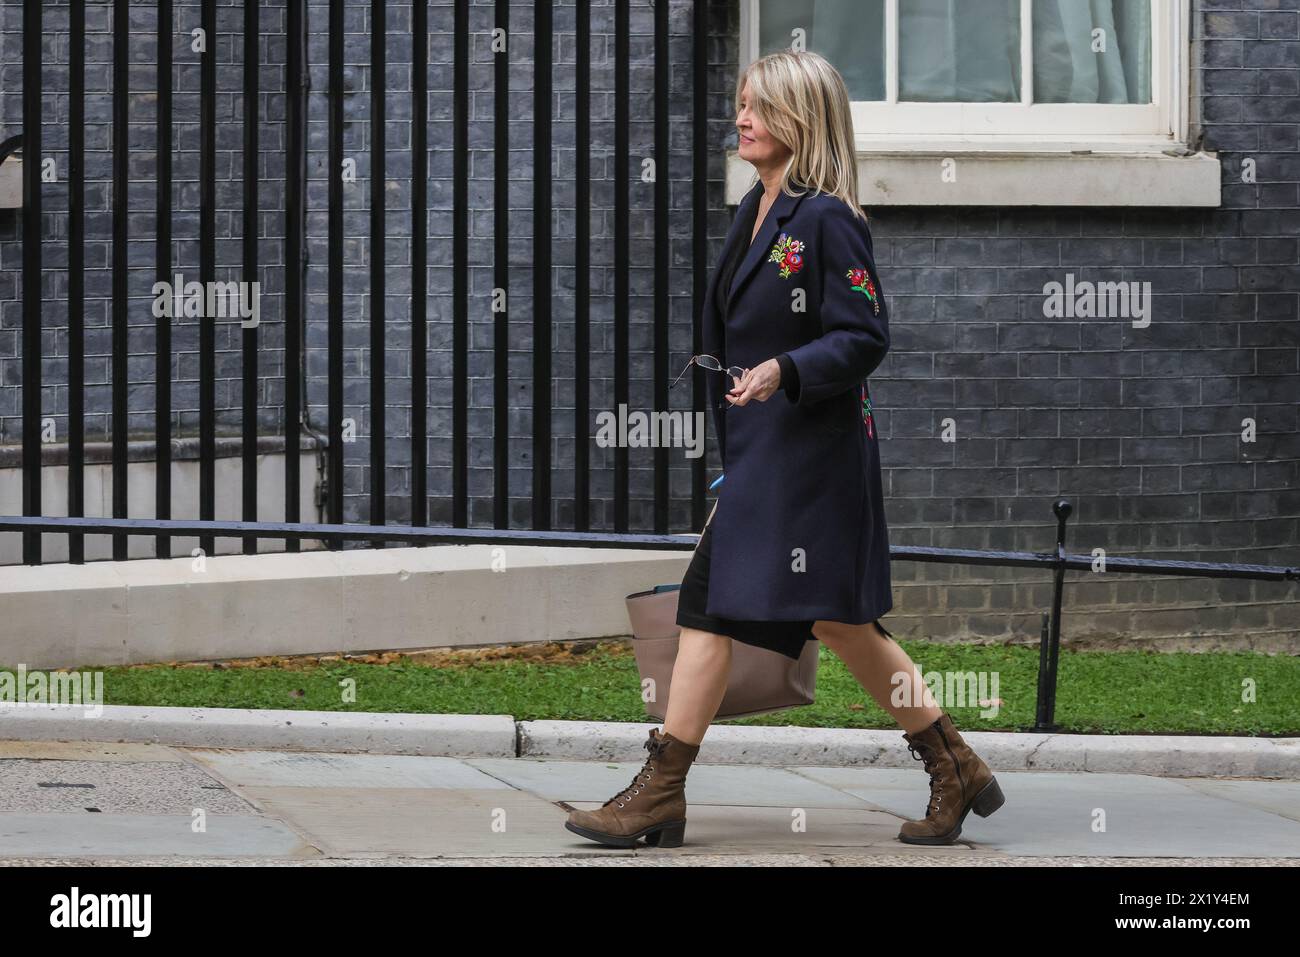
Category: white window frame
<point>891,125</point>
<point>1025,154</point>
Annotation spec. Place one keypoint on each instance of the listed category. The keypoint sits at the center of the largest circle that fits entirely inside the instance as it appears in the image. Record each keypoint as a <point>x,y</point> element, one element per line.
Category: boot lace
<point>655,746</point>
<point>926,757</point>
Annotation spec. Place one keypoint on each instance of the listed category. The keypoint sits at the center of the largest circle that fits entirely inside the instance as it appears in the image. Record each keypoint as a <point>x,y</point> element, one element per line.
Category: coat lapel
<point>782,209</point>
<point>736,236</point>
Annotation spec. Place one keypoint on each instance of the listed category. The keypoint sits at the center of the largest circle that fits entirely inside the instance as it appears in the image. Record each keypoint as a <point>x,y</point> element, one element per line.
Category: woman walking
<point>796,547</point>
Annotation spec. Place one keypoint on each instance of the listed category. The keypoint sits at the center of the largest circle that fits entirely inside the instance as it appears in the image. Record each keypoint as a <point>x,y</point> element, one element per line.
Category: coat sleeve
<point>854,319</point>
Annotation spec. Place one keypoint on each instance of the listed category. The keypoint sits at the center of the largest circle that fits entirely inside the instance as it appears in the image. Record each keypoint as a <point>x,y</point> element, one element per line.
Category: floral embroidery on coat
<point>866,409</point>
<point>860,280</point>
<point>787,251</point>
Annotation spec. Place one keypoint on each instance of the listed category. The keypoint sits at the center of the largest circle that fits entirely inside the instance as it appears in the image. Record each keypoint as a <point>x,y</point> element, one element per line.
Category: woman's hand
<point>758,383</point>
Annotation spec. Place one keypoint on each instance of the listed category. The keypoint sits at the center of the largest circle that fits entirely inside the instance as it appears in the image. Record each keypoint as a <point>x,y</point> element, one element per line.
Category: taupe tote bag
<point>760,681</point>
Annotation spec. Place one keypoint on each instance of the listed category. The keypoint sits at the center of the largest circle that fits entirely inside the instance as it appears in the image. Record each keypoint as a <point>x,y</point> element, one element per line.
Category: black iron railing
<point>293,210</point>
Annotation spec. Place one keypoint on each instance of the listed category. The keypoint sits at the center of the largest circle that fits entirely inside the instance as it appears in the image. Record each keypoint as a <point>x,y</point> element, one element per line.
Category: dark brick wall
<point>1139,428</point>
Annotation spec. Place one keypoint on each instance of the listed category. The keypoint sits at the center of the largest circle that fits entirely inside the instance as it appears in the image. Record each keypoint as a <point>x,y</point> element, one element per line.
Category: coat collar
<point>783,207</point>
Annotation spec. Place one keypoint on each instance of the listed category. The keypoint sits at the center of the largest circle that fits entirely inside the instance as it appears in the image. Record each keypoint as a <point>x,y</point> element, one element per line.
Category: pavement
<point>167,803</point>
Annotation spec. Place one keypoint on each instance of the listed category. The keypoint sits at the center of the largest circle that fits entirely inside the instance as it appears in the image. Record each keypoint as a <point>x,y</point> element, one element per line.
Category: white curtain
<point>1067,69</point>
<point>848,33</point>
<point>965,51</point>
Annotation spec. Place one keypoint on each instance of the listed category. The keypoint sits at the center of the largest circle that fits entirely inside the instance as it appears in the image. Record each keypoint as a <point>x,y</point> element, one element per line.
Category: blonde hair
<point>803,102</point>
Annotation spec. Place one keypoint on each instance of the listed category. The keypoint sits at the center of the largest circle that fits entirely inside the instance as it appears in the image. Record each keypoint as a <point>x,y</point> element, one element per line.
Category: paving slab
<point>146,835</point>
<point>128,787</point>
<point>1276,797</point>
<point>86,751</point>
<point>1050,813</point>
<point>419,822</point>
<point>312,769</point>
<point>719,784</point>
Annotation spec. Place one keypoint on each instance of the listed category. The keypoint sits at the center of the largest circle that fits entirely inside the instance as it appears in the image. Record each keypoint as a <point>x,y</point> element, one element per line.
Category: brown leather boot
<point>959,783</point>
<point>653,806</point>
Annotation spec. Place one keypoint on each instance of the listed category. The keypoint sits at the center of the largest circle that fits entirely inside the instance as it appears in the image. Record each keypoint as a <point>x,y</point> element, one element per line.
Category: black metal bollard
<point>1050,640</point>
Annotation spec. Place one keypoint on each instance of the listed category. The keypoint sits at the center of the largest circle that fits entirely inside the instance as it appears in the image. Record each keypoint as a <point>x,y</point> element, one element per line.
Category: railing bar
<point>699,233</point>
<point>294,248</point>
<point>582,271</point>
<point>622,289</point>
<point>77,274</point>
<point>378,239</point>
<point>207,267</point>
<point>501,274</point>
<point>252,65</point>
<point>542,336</point>
<point>162,271</point>
<point>662,245</point>
<point>419,262</point>
<point>334,454</point>
<point>391,533</point>
<point>121,262</point>
<point>460,270</point>
<point>32,292</point>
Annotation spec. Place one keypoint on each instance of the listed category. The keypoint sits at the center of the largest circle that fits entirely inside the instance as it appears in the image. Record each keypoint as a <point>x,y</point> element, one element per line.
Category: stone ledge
<point>1051,179</point>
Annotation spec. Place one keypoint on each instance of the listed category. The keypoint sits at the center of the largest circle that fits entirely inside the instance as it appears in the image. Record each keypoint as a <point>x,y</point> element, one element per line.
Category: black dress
<point>786,637</point>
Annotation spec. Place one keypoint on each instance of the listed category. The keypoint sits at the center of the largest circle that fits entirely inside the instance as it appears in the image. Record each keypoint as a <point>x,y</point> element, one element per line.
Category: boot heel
<point>988,800</point>
<point>669,836</point>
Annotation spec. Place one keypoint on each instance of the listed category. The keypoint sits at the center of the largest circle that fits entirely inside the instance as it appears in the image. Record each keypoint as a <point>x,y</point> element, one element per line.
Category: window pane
<point>848,33</point>
<point>1092,52</point>
<point>963,51</point>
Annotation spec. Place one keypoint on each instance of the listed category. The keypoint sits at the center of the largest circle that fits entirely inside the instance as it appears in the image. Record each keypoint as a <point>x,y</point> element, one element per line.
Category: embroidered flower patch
<point>860,280</point>
<point>866,409</point>
<point>787,252</point>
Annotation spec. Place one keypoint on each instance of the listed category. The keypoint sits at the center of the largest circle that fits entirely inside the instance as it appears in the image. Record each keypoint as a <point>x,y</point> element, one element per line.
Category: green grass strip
<point>1097,692</point>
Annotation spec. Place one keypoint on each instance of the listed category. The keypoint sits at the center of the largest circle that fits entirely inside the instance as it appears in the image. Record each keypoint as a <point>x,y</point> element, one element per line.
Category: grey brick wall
<point>1140,428</point>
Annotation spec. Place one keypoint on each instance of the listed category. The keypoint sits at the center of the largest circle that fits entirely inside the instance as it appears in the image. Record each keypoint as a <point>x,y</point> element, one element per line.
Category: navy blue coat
<point>799,528</point>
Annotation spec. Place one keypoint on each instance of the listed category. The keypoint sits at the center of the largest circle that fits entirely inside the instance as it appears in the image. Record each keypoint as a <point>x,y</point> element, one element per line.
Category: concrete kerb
<point>500,735</point>
<point>488,735</point>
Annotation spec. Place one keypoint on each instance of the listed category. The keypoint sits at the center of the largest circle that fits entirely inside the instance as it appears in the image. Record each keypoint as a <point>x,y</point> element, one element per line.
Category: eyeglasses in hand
<point>713,365</point>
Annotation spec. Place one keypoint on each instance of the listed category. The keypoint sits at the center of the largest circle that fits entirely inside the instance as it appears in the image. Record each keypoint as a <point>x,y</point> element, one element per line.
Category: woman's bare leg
<point>876,661</point>
<point>699,683</point>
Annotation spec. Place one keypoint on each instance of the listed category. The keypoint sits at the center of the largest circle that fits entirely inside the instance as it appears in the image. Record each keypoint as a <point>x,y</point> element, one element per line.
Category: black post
<point>1050,646</point>
<point>77,275</point>
<point>460,269</point>
<point>207,272</point>
<point>334,470</point>
<point>121,174</point>
<point>295,244</point>
<point>582,273</point>
<point>501,273</point>
<point>419,263</point>
<point>662,243</point>
<point>542,333</point>
<point>32,273</point>
<point>378,238</point>
<point>252,89</point>
<point>163,268</point>
<point>622,249</point>
<point>699,231</point>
